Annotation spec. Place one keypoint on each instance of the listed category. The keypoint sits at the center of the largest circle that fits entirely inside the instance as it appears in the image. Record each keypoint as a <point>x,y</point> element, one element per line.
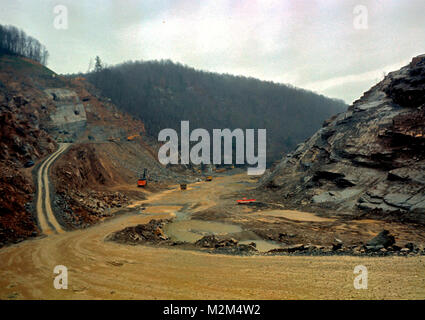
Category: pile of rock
<point>151,232</point>
<point>382,244</point>
<point>225,245</point>
<point>99,203</point>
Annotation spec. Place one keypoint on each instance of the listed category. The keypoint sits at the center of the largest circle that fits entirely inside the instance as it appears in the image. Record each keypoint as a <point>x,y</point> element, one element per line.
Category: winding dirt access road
<point>46,218</point>
<point>99,269</point>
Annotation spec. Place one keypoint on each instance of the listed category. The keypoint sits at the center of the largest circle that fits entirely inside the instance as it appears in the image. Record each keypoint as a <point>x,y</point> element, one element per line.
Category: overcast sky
<point>309,44</point>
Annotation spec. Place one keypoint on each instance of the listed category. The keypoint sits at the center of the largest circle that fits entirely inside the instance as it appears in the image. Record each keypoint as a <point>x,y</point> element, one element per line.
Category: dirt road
<point>46,218</point>
<point>107,270</point>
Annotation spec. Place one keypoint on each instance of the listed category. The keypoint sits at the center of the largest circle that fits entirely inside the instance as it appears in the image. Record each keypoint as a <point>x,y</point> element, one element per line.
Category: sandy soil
<point>295,215</point>
<point>107,270</point>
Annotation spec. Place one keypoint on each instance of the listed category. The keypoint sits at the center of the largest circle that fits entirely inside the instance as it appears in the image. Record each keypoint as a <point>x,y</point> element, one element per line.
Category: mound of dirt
<point>143,233</point>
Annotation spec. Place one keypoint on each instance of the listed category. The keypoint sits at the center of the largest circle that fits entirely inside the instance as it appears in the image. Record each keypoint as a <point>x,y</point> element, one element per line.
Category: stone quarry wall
<point>69,120</point>
<point>367,160</point>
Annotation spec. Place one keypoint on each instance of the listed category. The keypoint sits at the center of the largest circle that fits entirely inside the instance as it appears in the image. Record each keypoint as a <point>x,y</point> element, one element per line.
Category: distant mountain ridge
<point>164,93</point>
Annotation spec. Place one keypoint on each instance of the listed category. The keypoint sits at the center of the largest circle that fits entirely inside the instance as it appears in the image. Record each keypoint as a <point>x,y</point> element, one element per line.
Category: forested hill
<point>164,93</point>
<point>16,42</point>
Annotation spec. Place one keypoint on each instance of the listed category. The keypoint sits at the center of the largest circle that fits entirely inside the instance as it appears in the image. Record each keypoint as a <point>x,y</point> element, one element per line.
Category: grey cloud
<point>299,42</point>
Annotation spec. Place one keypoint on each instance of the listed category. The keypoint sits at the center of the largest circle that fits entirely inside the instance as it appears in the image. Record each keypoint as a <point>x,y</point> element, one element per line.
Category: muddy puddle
<point>193,230</point>
<point>185,229</point>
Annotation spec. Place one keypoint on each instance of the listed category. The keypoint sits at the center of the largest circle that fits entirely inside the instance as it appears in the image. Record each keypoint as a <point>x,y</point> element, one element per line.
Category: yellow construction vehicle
<point>208,178</point>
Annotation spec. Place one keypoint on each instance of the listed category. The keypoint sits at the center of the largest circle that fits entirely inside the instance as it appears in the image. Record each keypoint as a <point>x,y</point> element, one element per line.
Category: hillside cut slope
<point>367,160</point>
<point>96,176</point>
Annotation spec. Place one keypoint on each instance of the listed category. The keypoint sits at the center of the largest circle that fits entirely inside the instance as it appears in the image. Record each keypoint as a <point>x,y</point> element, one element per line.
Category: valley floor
<point>100,269</point>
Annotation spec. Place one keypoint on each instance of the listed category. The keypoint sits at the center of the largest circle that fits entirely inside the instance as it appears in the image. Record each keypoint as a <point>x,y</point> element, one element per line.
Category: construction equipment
<point>134,136</point>
<point>143,182</point>
<point>208,178</point>
<point>246,201</point>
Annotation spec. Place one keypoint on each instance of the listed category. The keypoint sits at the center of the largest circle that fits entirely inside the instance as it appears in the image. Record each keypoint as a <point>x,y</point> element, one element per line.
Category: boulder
<point>382,240</point>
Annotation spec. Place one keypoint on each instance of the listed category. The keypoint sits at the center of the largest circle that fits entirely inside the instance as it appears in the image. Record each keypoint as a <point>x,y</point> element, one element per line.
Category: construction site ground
<point>102,269</point>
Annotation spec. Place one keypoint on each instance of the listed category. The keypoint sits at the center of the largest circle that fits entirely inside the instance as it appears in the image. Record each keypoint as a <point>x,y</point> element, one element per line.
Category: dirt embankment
<point>21,140</point>
<point>16,223</point>
<point>93,181</point>
<point>90,187</point>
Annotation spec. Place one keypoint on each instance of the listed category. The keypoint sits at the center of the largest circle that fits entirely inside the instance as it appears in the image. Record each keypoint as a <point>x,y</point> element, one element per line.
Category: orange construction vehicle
<point>143,181</point>
<point>131,138</point>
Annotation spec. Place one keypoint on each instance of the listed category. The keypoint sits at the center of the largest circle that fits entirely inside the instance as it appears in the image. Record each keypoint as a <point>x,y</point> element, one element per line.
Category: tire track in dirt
<point>46,218</point>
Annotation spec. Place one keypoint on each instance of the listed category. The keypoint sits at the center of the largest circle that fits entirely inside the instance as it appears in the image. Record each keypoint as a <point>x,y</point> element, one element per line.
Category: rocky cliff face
<point>70,114</point>
<point>369,159</point>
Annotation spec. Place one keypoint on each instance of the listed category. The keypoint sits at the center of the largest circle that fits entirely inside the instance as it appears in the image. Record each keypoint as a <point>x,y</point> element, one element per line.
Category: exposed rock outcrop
<point>69,118</point>
<point>369,159</point>
<point>21,142</point>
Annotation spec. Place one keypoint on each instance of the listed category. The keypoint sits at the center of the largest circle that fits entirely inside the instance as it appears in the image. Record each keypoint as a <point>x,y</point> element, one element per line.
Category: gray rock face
<point>69,119</point>
<point>370,158</point>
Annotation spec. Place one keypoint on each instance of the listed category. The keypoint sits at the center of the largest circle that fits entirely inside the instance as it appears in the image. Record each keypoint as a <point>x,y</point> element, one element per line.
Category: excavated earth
<point>21,140</point>
<point>96,176</point>
<point>207,218</point>
<point>366,162</point>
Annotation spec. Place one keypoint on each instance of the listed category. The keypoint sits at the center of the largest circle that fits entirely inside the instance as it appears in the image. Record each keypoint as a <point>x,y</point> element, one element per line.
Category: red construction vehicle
<point>246,201</point>
<point>142,182</point>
